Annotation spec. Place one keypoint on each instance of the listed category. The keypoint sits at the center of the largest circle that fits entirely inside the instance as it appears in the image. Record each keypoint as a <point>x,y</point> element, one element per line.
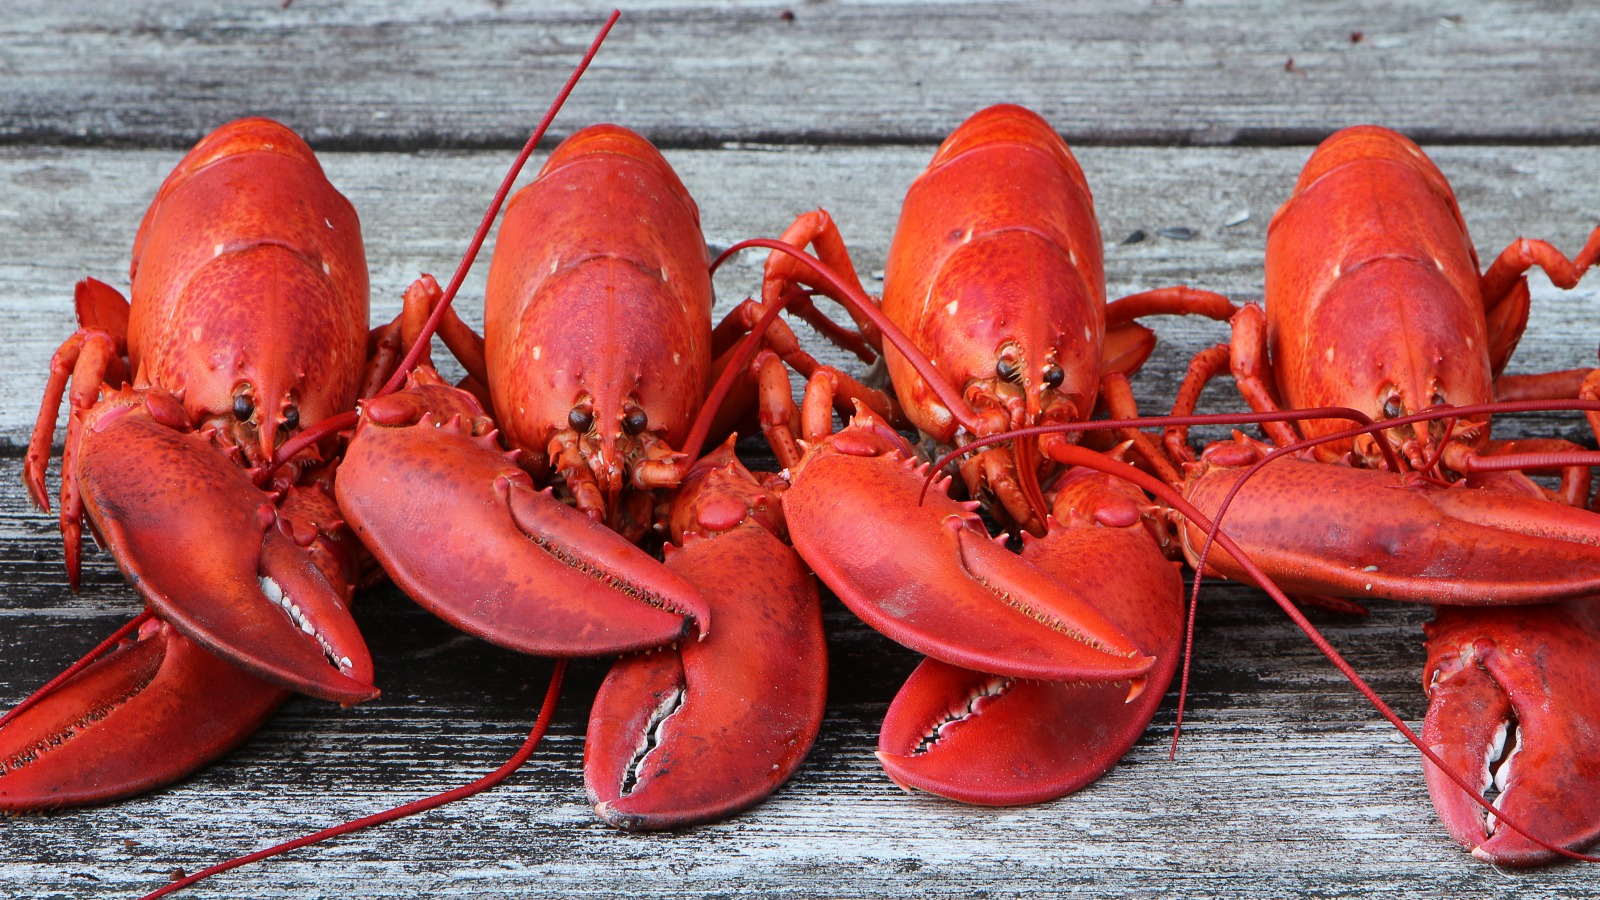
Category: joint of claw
<point>292,609</point>
<point>976,701</point>
<point>650,738</point>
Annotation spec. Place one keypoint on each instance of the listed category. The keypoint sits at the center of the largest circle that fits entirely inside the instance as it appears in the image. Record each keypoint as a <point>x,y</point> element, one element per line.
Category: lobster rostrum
<point>995,277</point>
<point>1435,335</point>
<point>248,316</point>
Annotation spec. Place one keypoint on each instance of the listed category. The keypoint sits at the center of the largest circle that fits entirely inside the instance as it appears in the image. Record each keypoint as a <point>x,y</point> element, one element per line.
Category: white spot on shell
<point>537,351</point>
<point>1329,354</point>
<point>665,276</point>
<point>325,269</point>
<point>196,333</point>
<point>1337,268</point>
<point>326,222</point>
<point>1469,342</point>
<point>677,358</point>
<point>1087,334</point>
<point>217,250</point>
<point>554,264</point>
<point>952,306</point>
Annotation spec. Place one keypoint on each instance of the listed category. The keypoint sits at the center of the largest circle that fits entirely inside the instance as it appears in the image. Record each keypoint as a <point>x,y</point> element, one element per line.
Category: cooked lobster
<point>248,317</point>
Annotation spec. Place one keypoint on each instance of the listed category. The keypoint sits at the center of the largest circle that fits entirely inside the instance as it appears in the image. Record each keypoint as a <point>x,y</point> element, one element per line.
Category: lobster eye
<point>1053,376</point>
<point>1438,398</point>
<point>1007,370</point>
<point>635,421</point>
<point>291,417</point>
<point>1391,408</point>
<point>580,419</point>
<point>243,409</point>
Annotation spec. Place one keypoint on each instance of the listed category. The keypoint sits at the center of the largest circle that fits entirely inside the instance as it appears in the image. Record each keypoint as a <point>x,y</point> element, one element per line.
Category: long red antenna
<point>337,423</point>
<point>467,790</point>
<point>334,424</point>
<point>1074,455</point>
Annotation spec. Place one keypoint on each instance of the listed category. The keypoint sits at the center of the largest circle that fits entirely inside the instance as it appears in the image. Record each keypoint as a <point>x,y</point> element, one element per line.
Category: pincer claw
<point>510,564</point>
<point>238,587</point>
<point>1514,695</point>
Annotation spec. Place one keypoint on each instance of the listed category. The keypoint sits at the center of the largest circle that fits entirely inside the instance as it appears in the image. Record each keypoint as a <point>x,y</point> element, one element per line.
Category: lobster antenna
<point>100,649</point>
<point>342,421</point>
<point>1074,455</point>
<point>546,712</point>
<point>748,346</point>
<point>415,353</point>
<point>835,288</point>
<point>338,423</point>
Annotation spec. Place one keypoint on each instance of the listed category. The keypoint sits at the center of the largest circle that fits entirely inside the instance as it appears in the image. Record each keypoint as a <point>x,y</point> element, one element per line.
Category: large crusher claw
<point>997,741</point>
<point>152,710</point>
<point>1514,695</point>
<point>212,554</point>
<point>461,530</point>
<point>693,734</point>
<point>1339,531</point>
<point>942,586</point>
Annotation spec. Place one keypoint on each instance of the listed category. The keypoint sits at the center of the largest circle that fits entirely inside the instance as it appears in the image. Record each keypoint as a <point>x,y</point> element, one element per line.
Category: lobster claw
<point>151,711</point>
<point>695,733</point>
<point>461,530</point>
<point>943,587</point>
<point>997,741</point>
<point>1514,695</point>
<point>1340,531</point>
<point>210,552</point>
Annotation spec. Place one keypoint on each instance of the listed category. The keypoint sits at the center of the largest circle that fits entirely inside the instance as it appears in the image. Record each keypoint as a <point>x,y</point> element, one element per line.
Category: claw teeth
<point>979,698</point>
<point>651,737</point>
<point>275,593</point>
<point>271,589</point>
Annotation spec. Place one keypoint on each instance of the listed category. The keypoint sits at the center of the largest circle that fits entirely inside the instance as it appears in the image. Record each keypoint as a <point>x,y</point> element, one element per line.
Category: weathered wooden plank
<point>1285,783</point>
<point>369,74</point>
<point>69,213</point>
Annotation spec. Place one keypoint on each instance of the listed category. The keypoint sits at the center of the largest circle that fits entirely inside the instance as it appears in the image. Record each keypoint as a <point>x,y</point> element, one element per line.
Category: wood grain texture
<point>1286,784</point>
<point>1285,781</point>
<point>370,74</point>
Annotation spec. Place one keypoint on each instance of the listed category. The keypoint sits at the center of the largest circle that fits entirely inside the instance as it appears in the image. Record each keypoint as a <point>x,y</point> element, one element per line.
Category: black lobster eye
<point>1053,376</point>
<point>635,421</point>
<point>243,409</point>
<point>291,417</point>
<point>580,419</point>
<point>1391,408</point>
<point>1007,370</point>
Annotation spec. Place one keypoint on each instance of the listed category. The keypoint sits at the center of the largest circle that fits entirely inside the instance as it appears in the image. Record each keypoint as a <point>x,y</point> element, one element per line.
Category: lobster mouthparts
<point>1514,695</point>
<point>211,555</point>
<point>461,530</point>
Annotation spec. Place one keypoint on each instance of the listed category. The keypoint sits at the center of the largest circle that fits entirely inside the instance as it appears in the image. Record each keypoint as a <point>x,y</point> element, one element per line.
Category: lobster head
<point>1340,294</point>
<point>598,320</point>
<point>273,303</point>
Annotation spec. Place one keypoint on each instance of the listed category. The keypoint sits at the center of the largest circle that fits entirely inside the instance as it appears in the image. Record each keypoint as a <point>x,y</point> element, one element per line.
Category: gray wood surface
<point>1286,783</point>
